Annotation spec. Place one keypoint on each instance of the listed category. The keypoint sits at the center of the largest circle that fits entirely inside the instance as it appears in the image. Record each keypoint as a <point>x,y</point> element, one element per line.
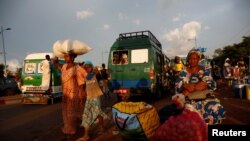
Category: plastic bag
<point>77,47</point>
<point>135,120</point>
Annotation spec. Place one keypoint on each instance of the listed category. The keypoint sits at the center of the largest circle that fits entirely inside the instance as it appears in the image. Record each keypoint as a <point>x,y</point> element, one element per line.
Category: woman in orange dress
<point>73,100</point>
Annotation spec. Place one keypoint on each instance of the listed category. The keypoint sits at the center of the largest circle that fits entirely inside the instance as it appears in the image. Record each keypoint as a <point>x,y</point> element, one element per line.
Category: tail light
<point>121,91</point>
<point>108,74</point>
<point>151,74</point>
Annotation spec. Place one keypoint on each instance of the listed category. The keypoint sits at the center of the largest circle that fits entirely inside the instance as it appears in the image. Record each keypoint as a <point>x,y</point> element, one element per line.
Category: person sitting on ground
<point>194,77</point>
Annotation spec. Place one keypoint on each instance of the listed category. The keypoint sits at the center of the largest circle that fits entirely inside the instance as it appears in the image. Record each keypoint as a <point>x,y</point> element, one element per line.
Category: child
<point>92,109</point>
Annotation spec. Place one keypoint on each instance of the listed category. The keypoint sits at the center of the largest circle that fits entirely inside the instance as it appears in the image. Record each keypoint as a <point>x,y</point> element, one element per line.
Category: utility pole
<point>195,41</point>
<point>4,53</point>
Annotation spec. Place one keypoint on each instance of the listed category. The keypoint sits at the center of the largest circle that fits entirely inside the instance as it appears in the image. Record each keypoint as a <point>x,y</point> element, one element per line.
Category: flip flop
<point>65,137</point>
<point>82,139</point>
<point>100,132</point>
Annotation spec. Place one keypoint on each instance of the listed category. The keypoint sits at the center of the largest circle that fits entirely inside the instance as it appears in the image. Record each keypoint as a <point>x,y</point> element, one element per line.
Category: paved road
<point>237,109</point>
<point>43,122</point>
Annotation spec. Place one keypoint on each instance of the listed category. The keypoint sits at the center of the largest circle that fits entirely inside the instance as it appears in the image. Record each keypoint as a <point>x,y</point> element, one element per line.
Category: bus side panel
<point>130,76</point>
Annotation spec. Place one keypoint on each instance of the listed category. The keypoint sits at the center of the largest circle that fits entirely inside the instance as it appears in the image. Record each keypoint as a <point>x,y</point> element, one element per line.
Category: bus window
<point>158,56</point>
<point>44,66</point>
<point>120,57</point>
<point>40,67</point>
<point>139,56</point>
<point>30,67</point>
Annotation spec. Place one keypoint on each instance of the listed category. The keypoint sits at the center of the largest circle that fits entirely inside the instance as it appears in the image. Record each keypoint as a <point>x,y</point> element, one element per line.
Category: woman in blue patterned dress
<point>197,78</point>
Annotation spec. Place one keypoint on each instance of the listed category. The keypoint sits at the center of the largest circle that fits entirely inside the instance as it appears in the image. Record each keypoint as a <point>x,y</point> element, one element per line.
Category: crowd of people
<point>83,84</point>
<point>232,70</point>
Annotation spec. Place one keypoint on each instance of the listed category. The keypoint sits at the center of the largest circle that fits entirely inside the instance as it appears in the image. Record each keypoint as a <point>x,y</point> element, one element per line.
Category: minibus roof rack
<point>139,34</point>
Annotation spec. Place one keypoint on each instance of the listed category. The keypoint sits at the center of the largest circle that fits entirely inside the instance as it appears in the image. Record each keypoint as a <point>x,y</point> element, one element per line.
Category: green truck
<point>136,62</point>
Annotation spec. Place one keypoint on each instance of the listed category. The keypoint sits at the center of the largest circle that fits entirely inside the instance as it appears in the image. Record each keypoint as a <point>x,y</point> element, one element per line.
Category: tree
<point>233,52</point>
<point>217,52</point>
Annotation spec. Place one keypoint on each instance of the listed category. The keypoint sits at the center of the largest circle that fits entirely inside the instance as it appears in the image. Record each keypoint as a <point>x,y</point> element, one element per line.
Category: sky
<point>178,24</point>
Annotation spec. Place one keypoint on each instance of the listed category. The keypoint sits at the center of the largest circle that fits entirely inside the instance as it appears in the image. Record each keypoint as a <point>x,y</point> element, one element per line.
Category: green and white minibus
<point>41,84</point>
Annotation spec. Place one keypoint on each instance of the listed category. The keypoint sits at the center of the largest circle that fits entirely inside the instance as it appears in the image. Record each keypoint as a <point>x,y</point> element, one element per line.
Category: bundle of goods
<point>135,120</point>
<point>186,124</point>
<point>77,47</point>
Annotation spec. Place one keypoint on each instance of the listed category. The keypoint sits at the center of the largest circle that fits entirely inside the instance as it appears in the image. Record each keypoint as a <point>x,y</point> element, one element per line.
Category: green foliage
<point>9,73</point>
<point>233,52</point>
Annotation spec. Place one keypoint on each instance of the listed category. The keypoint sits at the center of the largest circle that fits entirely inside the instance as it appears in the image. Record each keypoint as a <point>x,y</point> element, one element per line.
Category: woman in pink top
<point>73,100</point>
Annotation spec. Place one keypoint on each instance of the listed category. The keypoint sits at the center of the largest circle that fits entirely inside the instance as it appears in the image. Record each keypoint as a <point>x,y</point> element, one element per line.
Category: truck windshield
<point>33,67</point>
<point>30,68</point>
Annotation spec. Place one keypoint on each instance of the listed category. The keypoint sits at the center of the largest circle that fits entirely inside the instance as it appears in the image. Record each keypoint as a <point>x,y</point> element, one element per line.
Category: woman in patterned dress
<point>197,78</point>
<point>195,75</point>
<point>73,100</point>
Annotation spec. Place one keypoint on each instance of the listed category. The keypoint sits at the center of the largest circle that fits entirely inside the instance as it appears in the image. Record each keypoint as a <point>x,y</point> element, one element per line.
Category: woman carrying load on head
<point>73,100</point>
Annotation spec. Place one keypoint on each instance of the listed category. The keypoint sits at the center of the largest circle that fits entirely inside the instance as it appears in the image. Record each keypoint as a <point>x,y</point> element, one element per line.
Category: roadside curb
<point>10,99</point>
